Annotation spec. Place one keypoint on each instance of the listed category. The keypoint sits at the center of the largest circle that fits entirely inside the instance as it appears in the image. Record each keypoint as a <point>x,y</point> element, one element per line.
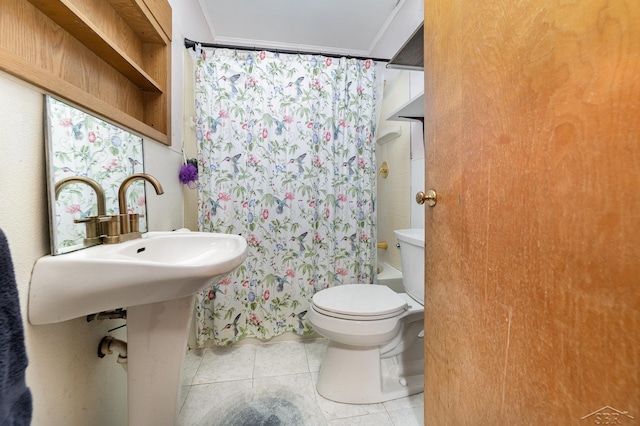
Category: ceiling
<point>348,27</point>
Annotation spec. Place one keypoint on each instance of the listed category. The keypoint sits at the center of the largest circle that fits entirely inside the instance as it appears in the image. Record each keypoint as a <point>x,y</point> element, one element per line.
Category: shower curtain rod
<point>190,44</point>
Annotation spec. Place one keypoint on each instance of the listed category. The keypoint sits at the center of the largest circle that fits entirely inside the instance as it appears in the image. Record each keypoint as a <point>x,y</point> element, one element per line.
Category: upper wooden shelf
<point>112,57</point>
<point>69,17</point>
<point>149,19</point>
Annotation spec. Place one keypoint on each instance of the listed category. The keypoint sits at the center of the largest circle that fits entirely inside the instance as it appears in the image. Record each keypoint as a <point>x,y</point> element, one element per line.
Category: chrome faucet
<point>93,225</point>
<point>129,222</point>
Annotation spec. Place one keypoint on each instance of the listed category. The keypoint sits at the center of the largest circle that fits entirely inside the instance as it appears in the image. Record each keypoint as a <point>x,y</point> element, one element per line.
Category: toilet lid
<point>359,301</point>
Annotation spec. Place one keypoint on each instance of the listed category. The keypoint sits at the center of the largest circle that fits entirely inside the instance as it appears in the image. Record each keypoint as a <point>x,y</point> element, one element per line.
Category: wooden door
<point>532,133</point>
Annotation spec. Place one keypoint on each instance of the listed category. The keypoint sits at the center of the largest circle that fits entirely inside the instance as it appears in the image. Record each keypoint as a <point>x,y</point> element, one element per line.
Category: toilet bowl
<point>375,351</point>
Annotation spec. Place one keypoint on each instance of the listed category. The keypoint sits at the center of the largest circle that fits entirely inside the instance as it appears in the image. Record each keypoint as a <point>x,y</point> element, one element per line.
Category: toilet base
<point>359,375</point>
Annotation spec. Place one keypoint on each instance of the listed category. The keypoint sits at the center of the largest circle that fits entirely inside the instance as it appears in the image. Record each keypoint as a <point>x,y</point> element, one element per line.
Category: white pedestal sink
<point>154,278</point>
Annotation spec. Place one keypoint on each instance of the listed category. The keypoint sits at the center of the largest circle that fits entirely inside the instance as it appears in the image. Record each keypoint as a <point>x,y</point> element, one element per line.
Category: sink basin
<point>154,278</point>
<point>160,266</point>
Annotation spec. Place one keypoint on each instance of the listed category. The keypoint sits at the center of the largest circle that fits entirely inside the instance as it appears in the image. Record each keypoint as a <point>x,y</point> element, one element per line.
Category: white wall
<point>70,384</point>
<point>190,149</point>
<point>188,23</point>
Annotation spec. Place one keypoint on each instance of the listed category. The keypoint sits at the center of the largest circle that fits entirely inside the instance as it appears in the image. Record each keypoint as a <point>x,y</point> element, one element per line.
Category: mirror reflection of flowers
<point>189,175</point>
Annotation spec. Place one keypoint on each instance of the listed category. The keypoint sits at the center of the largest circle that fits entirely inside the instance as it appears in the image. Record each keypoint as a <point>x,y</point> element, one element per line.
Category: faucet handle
<point>84,219</point>
<point>134,222</point>
<point>112,229</point>
<point>125,223</point>
<point>92,230</point>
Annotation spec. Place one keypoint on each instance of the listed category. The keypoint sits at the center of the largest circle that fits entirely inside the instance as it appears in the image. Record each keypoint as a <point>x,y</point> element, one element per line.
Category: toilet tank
<point>412,259</point>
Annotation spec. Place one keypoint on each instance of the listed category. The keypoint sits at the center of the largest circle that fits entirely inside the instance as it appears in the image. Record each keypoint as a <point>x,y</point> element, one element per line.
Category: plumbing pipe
<point>109,344</point>
<point>113,314</point>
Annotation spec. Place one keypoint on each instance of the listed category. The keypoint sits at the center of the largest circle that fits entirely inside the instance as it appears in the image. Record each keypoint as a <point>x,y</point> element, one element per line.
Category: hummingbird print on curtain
<point>286,150</point>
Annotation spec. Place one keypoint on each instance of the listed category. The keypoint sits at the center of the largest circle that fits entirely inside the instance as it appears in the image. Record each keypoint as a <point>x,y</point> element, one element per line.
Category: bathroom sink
<point>158,267</point>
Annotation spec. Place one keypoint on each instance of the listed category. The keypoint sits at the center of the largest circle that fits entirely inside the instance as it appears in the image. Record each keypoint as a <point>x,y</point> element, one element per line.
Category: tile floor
<point>214,373</point>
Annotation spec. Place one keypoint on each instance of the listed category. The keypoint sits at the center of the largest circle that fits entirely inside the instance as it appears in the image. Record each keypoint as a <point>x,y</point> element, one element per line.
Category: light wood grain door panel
<point>532,133</point>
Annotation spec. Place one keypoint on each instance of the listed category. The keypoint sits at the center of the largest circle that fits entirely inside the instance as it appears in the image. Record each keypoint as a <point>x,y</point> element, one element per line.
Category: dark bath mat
<point>265,406</point>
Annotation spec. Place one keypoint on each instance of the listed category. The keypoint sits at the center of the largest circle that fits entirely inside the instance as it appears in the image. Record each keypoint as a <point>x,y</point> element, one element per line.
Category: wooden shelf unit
<point>111,57</point>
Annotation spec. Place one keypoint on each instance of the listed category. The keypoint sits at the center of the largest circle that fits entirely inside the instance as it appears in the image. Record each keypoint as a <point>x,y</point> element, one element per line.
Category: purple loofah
<point>188,174</point>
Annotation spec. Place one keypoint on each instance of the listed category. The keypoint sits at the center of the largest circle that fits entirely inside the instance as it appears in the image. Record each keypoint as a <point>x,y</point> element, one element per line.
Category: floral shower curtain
<point>286,153</point>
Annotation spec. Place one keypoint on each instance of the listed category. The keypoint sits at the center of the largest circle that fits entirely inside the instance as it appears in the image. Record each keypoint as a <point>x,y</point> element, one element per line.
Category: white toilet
<point>375,350</point>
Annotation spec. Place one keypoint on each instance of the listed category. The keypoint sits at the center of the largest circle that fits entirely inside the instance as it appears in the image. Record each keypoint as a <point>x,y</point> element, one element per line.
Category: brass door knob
<point>431,198</point>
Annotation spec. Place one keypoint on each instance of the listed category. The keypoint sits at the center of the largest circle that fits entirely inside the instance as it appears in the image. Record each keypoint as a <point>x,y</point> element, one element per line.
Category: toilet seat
<point>359,302</point>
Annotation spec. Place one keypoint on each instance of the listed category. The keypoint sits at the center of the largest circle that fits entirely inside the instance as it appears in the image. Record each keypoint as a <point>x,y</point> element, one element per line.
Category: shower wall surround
<point>394,191</point>
<point>416,86</point>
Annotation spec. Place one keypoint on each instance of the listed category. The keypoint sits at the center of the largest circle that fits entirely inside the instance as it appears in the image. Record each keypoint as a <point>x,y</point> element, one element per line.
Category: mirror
<point>81,145</point>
